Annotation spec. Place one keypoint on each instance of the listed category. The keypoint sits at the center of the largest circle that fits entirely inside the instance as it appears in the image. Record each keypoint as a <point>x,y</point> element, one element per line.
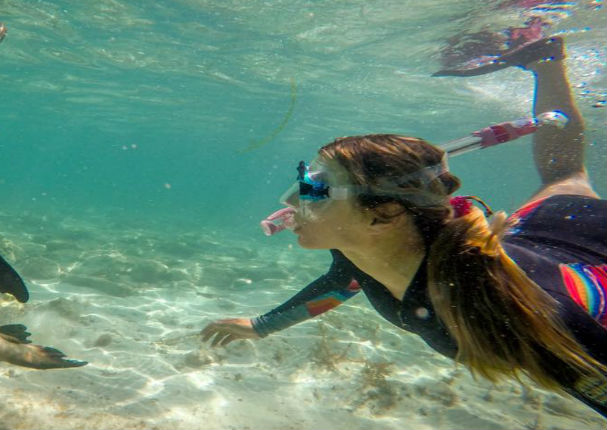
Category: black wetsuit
<point>561,244</point>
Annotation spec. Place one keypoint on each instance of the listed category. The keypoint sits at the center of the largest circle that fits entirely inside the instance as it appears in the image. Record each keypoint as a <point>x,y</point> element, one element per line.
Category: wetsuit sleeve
<point>321,295</point>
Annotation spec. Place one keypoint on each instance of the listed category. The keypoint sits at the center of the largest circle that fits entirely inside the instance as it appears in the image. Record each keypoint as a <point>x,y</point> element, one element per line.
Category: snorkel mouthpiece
<point>278,221</point>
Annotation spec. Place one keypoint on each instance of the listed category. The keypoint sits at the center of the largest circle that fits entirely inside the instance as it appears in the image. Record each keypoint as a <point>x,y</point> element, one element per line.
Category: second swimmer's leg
<point>558,152</point>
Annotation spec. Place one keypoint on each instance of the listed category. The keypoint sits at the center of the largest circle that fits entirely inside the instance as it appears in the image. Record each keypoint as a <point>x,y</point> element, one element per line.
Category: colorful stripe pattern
<point>332,300</point>
<point>587,286</point>
<point>522,213</point>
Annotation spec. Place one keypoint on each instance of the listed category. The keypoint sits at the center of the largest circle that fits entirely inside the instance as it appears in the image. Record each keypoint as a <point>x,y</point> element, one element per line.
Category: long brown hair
<point>502,321</point>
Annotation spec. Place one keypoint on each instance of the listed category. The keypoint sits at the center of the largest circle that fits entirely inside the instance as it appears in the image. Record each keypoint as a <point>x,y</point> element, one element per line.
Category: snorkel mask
<point>309,195</point>
<point>312,185</point>
<point>312,188</point>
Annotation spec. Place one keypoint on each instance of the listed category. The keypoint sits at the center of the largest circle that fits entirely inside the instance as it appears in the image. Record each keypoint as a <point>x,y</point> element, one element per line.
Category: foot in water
<point>15,348</point>
<point>548,49</point>
<point>533,30</point>
<point>11,282</point>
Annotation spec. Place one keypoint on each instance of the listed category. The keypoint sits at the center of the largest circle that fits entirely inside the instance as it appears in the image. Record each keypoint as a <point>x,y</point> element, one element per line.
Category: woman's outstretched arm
<point>321,295</point>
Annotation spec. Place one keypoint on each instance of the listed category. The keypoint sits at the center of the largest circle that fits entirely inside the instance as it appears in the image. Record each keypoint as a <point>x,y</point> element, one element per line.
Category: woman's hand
<point>225,331</point>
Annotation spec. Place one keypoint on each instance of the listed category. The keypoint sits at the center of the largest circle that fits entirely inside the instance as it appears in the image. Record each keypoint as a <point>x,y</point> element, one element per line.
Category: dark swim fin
<point>16,331</point>
<point>11,282</point>
<point>548,49</point>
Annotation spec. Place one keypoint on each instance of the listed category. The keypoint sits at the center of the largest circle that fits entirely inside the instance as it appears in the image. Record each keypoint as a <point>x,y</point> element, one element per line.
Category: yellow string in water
<point>258,144</point>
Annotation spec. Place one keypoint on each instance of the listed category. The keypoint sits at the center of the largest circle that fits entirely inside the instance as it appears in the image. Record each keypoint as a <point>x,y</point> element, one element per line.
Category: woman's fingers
<point>218,339</point>
<point>208,332</point>
<point>229,338</point>
<point>222,332</point>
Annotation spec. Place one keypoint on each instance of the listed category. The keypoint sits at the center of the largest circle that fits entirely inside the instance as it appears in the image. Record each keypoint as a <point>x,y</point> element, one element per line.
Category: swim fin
<point>11,282</point>
<point>548,49</point>
<point>17,331</point>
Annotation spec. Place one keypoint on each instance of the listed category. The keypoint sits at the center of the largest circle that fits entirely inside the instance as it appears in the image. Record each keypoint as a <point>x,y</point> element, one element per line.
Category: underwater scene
<point>143,142</point>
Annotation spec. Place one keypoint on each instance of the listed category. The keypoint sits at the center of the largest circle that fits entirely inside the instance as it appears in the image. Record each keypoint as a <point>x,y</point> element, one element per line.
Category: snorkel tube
<point>480,139</point>
<point>278,221</point>
<point>502,133</point>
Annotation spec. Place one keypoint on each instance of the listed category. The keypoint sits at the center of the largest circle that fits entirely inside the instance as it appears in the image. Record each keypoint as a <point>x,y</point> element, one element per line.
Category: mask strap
<point>425,175</point>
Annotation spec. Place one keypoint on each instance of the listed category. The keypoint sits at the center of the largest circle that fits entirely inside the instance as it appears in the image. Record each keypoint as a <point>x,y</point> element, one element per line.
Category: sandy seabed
<point>131,301</point>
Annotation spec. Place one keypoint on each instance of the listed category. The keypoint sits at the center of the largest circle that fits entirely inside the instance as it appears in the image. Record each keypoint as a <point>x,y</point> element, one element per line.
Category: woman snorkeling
<point>503,296</point>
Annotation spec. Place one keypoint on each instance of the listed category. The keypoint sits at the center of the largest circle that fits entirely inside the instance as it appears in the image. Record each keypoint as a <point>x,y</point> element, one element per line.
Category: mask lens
<point>309,187</point>
<point>313,192</point>
<point>291,196</point>
<point>305,189</point>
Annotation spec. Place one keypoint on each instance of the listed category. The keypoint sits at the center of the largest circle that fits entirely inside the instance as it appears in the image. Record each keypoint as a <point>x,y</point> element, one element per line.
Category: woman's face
<point>331,223</point>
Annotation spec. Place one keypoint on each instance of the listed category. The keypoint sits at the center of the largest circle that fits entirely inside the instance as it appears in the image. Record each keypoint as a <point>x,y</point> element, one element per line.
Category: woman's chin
<point>301,240</point>
<point>308,244</point>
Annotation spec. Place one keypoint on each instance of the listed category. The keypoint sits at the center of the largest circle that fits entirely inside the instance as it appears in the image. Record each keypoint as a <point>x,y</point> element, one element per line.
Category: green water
<point>193,83</point>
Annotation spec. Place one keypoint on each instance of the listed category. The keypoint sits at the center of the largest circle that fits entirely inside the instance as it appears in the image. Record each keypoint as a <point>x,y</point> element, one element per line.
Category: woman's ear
<point>389,210</point>
<point>386,216</point>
